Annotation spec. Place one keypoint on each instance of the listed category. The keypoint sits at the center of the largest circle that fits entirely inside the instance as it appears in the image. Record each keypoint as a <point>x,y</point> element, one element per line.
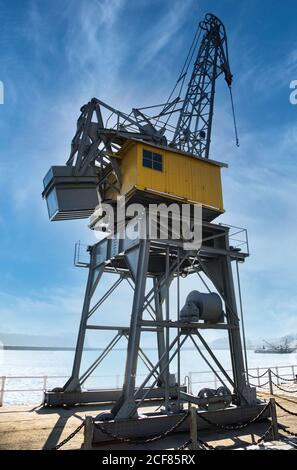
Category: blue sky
<point>56,55</point>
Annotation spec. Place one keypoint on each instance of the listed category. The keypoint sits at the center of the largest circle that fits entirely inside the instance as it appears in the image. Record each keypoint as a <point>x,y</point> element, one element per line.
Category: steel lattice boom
<point>193,130</point>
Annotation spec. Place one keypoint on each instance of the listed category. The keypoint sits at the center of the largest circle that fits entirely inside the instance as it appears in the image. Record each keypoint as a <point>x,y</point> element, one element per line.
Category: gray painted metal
<point>193,129</point>
<point>106,396</point>
<point>158,423</point>
<point>214,259</point>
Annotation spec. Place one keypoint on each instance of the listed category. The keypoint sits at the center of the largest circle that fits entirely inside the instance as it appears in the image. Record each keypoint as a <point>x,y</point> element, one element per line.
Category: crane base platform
<point>153,424</point>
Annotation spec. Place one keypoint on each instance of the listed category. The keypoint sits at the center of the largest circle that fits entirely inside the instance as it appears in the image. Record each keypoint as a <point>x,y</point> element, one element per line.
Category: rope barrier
<point>236,427</point>
<point>143,441</point>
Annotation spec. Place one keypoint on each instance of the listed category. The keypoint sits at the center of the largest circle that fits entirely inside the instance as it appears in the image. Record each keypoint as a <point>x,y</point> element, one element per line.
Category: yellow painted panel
<point>148,177</point>
<point>129,168</point>
<point>183,176</point>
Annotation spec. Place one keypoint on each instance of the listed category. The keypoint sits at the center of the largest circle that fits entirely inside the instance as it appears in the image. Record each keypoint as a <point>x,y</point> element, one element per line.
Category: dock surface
<point>24,427</point>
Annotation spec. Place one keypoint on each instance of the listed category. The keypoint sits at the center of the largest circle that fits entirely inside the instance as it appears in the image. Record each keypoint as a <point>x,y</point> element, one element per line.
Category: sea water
<point>56,367</point>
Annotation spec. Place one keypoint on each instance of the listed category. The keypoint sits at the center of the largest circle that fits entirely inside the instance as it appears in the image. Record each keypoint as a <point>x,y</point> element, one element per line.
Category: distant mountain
<point>15,339</point>
<point>223,343</point>
<point>69,341</point>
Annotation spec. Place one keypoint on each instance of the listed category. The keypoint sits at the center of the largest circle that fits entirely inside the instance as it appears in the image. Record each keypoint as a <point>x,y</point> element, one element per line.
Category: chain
<point>263,437</point>
<point>285,410</point>
<point>283,378</point>
<point>143,441</point>
<point>186,444</point>
<point>62,443</point>
<point>205,444</point>
<point>260,386</point>
<point>240,426</point>
<point>258,376</point>
<point>283,389</point>
<point>293,434</point>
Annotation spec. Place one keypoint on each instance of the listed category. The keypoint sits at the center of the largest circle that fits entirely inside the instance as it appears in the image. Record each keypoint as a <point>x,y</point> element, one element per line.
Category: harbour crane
<point>157,154</point>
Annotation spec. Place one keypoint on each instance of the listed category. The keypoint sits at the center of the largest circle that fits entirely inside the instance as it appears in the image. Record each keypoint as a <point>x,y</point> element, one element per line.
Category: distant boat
<point>276,349</point>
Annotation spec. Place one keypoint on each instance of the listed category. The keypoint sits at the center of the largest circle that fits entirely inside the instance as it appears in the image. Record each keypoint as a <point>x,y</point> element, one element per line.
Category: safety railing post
<point>270,382</point>
<point>258,375</point>
<point>277,375</point>
<point>190,383</point>
<point>274,419</point>
<point>44,382</point>
<point>193,428</point>
<point>2,390</point>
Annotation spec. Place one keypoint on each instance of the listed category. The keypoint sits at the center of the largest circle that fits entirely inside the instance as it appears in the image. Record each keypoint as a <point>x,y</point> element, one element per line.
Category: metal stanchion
<point>270,382</point>
<point>193,428</point>
<point>274,419</point>
<point>88,433</point>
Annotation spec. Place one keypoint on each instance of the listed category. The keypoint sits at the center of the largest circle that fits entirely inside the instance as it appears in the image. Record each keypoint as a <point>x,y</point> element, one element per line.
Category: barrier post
<point>88,433</point>
<point>3,379</point>
<point>193,428</point>
<point>270,382</point>
<point>277,375</point>
<point>274,419</point>
<point>258,374</point>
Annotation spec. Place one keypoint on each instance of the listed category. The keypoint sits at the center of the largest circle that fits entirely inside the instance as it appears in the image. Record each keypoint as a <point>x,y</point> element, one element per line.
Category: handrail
<point>256,372</point>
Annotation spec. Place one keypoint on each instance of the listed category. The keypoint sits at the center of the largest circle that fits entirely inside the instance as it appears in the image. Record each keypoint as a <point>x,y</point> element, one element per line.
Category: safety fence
<point>258,377</point>
<point>27,389</point>
<point>271,380</point>
<point>30,389</point>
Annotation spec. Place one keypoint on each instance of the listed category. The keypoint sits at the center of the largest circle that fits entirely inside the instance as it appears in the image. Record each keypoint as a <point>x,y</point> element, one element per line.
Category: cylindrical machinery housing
<point>200,306</point>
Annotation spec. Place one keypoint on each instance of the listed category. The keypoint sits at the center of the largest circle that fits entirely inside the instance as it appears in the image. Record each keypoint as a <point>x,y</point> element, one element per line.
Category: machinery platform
<point>107,396</point>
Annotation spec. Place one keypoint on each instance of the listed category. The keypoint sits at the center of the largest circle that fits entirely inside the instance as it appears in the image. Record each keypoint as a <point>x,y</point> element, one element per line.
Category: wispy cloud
<point>158,36</point>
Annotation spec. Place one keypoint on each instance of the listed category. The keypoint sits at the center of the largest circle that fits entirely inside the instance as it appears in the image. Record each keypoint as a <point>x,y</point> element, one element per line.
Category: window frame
<point>152,160</point>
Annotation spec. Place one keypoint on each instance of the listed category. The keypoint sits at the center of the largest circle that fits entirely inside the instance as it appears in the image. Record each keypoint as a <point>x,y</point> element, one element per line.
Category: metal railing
<point>258,376</point>
<point>238,238</point>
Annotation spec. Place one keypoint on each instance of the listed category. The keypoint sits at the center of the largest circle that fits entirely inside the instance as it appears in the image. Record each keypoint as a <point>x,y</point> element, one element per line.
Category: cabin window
<point>152,160</point>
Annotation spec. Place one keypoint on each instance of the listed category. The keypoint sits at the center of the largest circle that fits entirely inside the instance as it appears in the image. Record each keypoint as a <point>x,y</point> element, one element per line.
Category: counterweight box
<point>69,196</point>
